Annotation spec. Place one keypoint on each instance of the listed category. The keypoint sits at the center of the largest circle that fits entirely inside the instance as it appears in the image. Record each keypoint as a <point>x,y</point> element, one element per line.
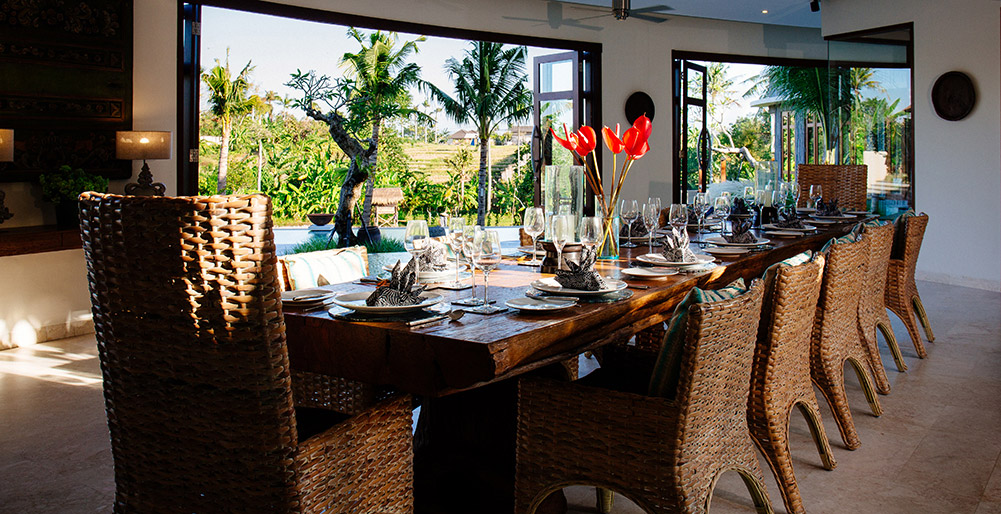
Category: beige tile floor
<point>936,449</point>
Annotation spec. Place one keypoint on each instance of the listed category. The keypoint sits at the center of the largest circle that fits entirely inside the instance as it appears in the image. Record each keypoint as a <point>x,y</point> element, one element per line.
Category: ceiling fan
<point>622,9</point>
<point>555,19</point>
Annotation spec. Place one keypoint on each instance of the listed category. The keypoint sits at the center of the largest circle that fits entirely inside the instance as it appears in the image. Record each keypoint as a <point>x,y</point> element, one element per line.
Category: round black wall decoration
<point>953,96</point>
<point>638,104</point>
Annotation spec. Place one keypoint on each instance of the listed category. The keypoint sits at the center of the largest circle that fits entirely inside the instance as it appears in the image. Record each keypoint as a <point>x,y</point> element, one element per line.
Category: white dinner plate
<point>356,302</point>
<point>783,233</point>
<point>528,250</point>
<point>659,260</point>
<point>431,275</point>
<point>806,210</point>
<point>718,240</point>
<point>841,217</point>
<point>772,226</point>
<point>648,273</point>
<point>542,303</point>
<point>551,286</point>
<point>305,298</point>
<point>858,213</point>
<point>729,251</point>
<point>819,221</point>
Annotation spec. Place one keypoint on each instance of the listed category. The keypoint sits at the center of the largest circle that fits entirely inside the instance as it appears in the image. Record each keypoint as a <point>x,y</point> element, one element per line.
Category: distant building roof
<point>463,134</point>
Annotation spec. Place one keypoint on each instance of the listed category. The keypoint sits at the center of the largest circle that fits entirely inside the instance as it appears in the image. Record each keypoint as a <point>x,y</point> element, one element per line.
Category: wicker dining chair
<point>872,314</point>
<point>191,338</point>
<point>846,183</point>
<point>665,454</point>
<point>901,291</point>
<point>836,338</point>
<point>780,377</point>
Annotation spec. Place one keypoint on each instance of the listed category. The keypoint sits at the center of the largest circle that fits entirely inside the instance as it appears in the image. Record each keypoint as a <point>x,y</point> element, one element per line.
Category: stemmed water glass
<point>562,233</point>
<point>651,213</point>
<point>456,236</point>
<point>467,251</point>
<point>535,223</point>
<point>629,211</point>
<point>794,193</point>
<point>416,241</point>
<point>486,257</point>
<point>678,215</point>
<point>701,206</point>
<point>816,194</point>
<point>591,231</point>
<point>655,200</point>
<point>721,209</point>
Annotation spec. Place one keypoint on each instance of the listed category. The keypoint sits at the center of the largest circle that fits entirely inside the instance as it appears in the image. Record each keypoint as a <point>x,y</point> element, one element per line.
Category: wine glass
<point>655,200</point>
<point>562,233</point>
<point>794,192</point>
<point>591,231</point>
<point>701,206</point>
<point>816,194</point>
<point>534,223</point>
<point>416,241</point>
<point>629,211</point>
<point>455,238</point>
<point>678,215</point>
<point>651,213</point>
<point>748,194</point>
<point>486,257</point>
<point>721,209</point>
<point>468,249</point>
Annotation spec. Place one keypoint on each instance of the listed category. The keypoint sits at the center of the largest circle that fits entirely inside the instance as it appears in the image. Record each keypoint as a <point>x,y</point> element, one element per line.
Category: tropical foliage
<point>229,99</point>
<point>490,91</point>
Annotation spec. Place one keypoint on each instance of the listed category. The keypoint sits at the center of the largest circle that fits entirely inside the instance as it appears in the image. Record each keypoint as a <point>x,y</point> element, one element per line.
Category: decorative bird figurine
<point>581,276</point>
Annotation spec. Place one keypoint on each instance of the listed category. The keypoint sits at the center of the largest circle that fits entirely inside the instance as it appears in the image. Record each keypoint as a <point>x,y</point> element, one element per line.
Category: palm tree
<point>382,77</point>
<point>489,91</point>
<point>228,99</point>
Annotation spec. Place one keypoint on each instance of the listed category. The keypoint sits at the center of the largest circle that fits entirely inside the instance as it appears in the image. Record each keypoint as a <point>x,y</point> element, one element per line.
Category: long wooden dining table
<point>464,446</point>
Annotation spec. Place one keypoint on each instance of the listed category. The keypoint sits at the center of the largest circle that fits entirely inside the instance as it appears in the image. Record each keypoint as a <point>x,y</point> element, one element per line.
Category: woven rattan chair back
<point>191,339</point>
<point>780,377</point>
<point>665,455</point>
<point>872,305</point>
<point>846,183</point>
<point>836,337</point>
<point>901,291</point>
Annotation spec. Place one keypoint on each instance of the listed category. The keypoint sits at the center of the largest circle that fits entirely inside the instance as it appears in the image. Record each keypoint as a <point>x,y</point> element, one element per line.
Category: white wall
<point>45,295</point>
<point>957,163</point>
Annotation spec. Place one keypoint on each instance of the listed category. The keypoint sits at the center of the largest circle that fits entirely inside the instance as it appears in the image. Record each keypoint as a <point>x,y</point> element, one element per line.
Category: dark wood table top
<point>445,358</point>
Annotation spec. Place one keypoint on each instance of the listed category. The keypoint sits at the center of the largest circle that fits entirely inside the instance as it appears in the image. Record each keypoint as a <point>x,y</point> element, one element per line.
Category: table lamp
<point>6,155</point>
<point>148,144</point>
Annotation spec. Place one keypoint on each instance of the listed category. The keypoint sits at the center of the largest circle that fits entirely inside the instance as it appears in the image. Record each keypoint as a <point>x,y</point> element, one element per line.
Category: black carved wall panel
<point>65,84</point>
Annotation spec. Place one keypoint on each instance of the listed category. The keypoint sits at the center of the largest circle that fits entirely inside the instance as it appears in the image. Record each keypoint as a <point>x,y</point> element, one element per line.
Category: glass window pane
<point>556,76</point>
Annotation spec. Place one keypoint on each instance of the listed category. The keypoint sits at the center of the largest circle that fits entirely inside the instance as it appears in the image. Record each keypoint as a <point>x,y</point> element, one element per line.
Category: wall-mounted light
<point>148,144</point>
<point>764,11</point>
<point>6,155</point>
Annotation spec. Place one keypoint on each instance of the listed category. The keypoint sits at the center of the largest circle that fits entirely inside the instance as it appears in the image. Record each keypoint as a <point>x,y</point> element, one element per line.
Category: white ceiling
<point>780,12</point>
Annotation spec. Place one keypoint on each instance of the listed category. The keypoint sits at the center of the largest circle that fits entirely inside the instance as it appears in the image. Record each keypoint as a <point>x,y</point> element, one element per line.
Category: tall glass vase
<point>608,249</point>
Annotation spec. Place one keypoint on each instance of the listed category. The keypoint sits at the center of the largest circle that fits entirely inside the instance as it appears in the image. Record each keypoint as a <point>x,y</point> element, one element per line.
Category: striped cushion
<point>849,238</point>
<point>312,269</point>
<point>667,370</point>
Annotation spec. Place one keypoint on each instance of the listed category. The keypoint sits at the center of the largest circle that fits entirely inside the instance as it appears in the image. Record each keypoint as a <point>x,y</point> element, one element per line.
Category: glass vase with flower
<point>634,143</point>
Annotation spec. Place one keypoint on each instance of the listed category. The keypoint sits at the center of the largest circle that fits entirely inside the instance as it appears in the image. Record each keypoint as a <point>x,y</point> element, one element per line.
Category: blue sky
<point>278,46</point>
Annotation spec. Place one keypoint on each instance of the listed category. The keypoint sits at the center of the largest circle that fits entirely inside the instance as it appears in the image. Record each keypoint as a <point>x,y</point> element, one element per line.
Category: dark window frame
<point>188,80</point>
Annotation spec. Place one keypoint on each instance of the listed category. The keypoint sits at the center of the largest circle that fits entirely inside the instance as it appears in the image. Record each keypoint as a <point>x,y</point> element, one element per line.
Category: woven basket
<point>845,182</point>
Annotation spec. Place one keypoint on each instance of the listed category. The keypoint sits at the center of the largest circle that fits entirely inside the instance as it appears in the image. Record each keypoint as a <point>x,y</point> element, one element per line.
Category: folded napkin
<point>634,229</point>
<point>676,247</point>
<point>740,207</point>
<point>581,276</point>
<point>789,220</point>
<point>434,257</point>
<point>741,232</point>
<point>400,290</point>
<point>828,208</point>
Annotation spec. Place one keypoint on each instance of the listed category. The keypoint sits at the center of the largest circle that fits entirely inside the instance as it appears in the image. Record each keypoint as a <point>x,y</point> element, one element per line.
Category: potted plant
<point>63,188</point>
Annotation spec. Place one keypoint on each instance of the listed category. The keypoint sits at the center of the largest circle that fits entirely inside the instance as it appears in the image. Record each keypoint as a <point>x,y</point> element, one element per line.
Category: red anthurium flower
<point>586,140</point>
<point>565,142</point>
<point>612,140</point>
<point>644,125</point>
<point>635,143</point>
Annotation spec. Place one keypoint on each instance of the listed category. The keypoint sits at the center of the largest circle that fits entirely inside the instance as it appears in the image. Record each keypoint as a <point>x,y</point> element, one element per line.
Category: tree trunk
<point>490,179</point>
<point>355,177</point>
<point>366,210</point>
<point>481,188</point>
<point>227,127</point>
